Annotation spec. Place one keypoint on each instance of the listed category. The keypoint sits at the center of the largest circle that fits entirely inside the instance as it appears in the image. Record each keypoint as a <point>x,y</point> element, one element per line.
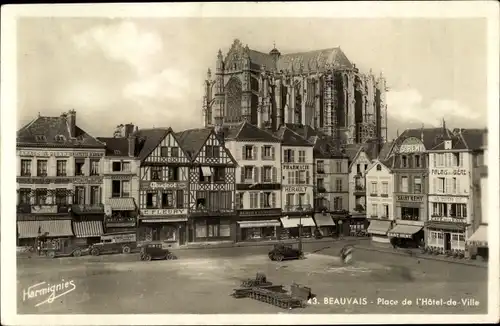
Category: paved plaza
<point>201,281</point>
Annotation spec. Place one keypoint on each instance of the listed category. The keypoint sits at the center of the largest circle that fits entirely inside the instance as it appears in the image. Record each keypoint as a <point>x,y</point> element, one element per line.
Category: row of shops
<point>438,236</point>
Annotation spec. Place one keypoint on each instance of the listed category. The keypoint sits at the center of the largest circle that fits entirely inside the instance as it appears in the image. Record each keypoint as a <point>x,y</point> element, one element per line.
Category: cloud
<point>169,83</point>
<point>123,42</point>
<point>408,106</point>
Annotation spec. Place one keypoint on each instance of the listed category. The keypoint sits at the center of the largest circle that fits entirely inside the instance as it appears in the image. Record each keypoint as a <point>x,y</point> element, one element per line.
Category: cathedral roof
<point>261,59</point>
<point>318,58</point>
<point>54,132</point>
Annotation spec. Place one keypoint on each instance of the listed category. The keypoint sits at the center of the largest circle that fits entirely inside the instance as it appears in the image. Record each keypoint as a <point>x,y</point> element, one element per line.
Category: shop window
<point>410,213</point>
<point>201,230</point>
<point>213,230</point>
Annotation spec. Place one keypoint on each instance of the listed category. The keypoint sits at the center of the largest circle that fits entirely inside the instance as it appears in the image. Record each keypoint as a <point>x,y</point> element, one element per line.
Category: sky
<point>151,71</point>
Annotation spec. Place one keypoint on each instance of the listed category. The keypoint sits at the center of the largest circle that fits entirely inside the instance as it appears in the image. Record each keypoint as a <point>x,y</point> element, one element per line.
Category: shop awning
<point>88,229</point>
<point>323,219</point>
<point>206,170</point>
<point>122,204</point>
<point>258,224</point>
<point>404,231</point>
<point>293,222</point>
<point>33,229</point>
<point>446,226</point>
<point>480,237</point>
<point>379,227</point>
<point>164,220</point>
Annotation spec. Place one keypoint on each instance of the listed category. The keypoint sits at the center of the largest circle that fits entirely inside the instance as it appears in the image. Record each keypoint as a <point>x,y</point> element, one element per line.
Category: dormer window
<point>447,144</point>
<point>117,152</point>
<point>379,167</point>
<point>40,138</point>
<point>60,138</point>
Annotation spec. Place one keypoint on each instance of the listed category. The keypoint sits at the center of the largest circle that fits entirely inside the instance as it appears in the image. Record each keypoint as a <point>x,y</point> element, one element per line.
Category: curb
<point>263,244</point>
<point>460,262</point>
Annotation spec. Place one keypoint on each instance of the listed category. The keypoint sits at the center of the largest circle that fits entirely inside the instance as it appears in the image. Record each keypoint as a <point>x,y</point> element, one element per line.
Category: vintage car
<point>283,252</point>
<point>154,251</point>
<point>123,242</point>
<point>63,248</point>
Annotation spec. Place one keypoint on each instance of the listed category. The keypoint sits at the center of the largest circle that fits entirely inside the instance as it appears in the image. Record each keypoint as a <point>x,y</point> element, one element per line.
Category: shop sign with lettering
<point>59,154</point>
<point>260,212</point>
<point>448,199</point>
<point>449,172</point>
<point>411,145</point>
<point>410,198</point>
<point>163,212</point>
<point>165,185</point>
<point>447,219</point>
<point>44,209</point>
<point>302,167</point>
<point>294,189</point>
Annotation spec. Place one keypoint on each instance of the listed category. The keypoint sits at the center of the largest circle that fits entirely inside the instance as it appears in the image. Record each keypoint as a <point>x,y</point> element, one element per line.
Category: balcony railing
<point>384,195</point>
<point>373,216</point>
<point>24,208</point>
<point>43,209</point>
<point>373,194</point>
<point>359,190</point>
<point>320,170</point>
<point>359,209</point>
<point>321,189</point>
<point>298,208</point>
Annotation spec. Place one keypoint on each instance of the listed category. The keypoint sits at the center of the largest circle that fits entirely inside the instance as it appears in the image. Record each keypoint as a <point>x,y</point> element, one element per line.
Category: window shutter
<point>254,152</point>
<point>449,186</point>
<point>292,154</point>
<point>256,174</point>
<point>243,152</point>
<point>297,199</point>
<point>275,176</point>
<point>307,177</point>
<point>262,152</point>
<point>262,199</point>
<point>272,152</point>
<point>273,200</point>
<point>307,199</point>
<point>458,186</point>
<point>262,174</point>
<point>297,177</point>
<point>242,174</point>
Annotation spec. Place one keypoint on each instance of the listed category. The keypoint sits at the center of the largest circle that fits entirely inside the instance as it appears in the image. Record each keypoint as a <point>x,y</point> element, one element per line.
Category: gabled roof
<point>368,148</point>
<point>474,139</point>
<point>290,138</point>
<point>248,132</point>
<point>305,131</point>
<point>54,132</point>
<point>116,146</point>
<point>149,139</point>
<point>386,150</point>
<point>192,140</point>
<point>430,137</point>
<point>387,164</point>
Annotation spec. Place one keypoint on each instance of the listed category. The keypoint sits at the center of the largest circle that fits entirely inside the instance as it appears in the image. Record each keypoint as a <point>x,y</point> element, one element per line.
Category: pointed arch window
<point>233,100</point>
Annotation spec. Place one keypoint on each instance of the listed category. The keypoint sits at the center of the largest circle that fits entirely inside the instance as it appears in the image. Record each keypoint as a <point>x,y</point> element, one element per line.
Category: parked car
<point>63,248</point>
<point>154,251</point>
<point>285,252</point>
<point>114,243</point>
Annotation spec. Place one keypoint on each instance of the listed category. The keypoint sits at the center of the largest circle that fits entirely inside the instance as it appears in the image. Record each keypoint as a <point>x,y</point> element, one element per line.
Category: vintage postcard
<point>250,163</point>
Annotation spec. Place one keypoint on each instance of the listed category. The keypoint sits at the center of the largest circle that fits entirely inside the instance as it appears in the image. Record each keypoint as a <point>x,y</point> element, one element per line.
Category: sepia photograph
<point>250,163</point>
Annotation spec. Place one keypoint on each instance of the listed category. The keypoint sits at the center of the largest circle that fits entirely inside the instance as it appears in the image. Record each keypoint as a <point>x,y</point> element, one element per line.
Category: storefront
<point>477,243</point>
<point>291,228</point>
<point>410,207</point>
<point>165,225</point>
<point>32,232</point>
<point>378,230</point>
<point>358,223</point>
<point>258,224</point>
<point>88,223</point>
<point>326,224</point>
<point>205,228</point>
<point>407,234</point>
<point>446,236</point>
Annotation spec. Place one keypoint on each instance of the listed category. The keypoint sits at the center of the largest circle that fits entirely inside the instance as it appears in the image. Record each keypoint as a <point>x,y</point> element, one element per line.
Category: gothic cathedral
<point>321,88</point>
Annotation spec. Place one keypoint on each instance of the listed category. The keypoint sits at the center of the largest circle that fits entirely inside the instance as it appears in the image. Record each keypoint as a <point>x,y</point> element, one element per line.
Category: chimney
<point>129,129</point>
<point>71,121</point>
<point>132,139</point>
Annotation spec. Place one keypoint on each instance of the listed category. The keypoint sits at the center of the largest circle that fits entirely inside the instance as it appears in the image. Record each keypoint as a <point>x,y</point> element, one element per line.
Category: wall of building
<point>109,176</point>
<point>336,170</point>
<point>289,186</point>
<point>363,162</point>
<point>376,196</point>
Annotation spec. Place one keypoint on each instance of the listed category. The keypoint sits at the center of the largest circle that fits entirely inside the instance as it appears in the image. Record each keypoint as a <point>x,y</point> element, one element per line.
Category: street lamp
<point>300,228</point>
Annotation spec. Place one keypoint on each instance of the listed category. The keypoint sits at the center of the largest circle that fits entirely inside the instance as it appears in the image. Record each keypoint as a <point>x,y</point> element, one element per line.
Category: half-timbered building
<point>211,185</point>
<point>121,181</point>
<point>258,181</point>
<point>58,174</point>
<point>164,195</point>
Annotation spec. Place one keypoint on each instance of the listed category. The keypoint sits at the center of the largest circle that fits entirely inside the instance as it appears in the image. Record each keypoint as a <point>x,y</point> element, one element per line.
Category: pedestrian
<point>38,248</point>
<point>393,243</point>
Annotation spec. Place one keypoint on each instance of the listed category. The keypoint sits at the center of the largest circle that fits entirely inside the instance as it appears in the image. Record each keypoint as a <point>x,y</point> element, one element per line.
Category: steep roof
<point>290,138</point>
<point>261,59</point>
<point>115,146</point>
<point>474,139</point>
<point>385,151</point>
<point>430,137</point>
<point>248,132</point>
<point>352,150</point>
<point>305,131</point>
<point>192,140</point>
<point>325,148</point>
<point>54,132</point>
<point>149,139</point>
<point>312,60</point>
